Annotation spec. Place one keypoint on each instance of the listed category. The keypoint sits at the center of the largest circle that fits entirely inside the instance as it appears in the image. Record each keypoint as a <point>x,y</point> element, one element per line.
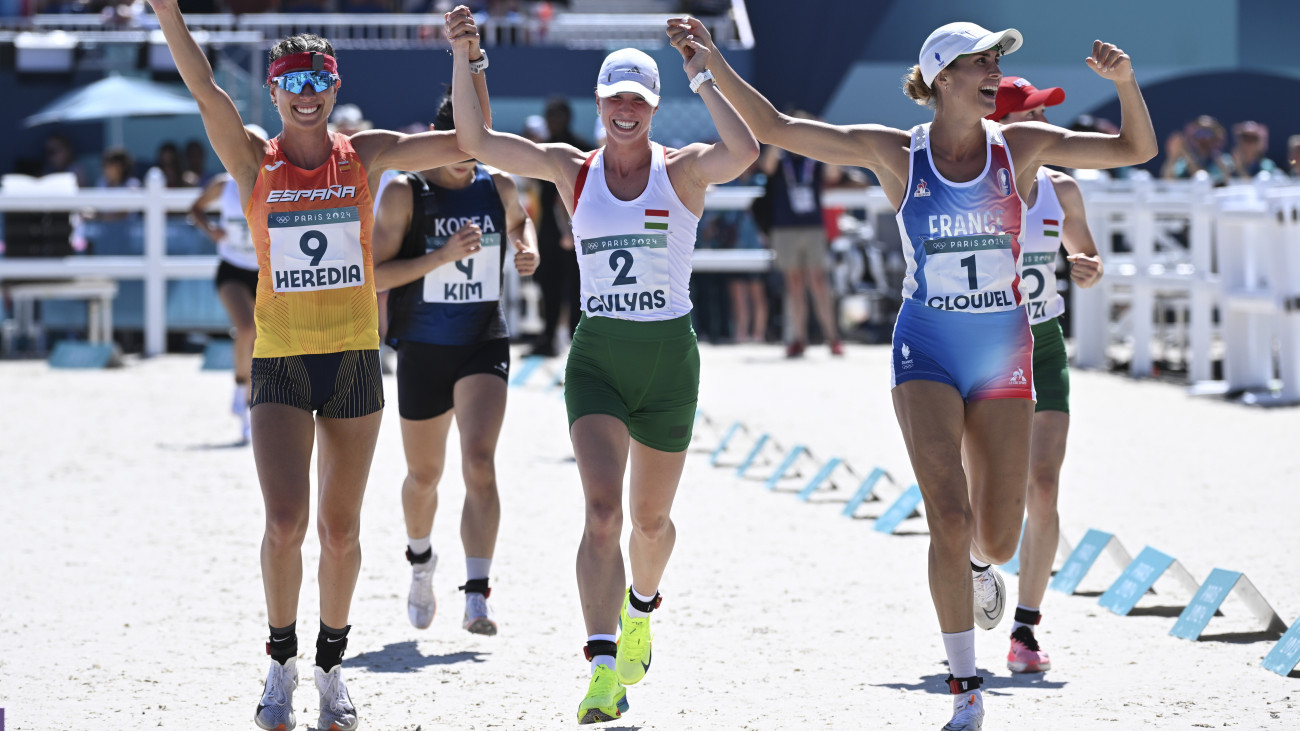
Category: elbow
<point>749,152</point>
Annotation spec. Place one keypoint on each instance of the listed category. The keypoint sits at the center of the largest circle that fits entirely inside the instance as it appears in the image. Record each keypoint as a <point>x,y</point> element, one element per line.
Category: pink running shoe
<point>1024,656</point>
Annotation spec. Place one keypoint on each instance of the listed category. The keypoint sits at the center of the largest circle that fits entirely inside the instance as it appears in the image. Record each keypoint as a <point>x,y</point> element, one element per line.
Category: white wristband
<point>700,78</point>
<point>476,67</point>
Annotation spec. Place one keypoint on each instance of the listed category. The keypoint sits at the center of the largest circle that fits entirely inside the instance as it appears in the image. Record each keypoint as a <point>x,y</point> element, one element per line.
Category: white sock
<point>477,568</point>
<point>960,647</point>
<point>419,545</point>
<point>632,611</point>
<point>1017,625</point>
<point>975,562</point>
<point>606,660</point>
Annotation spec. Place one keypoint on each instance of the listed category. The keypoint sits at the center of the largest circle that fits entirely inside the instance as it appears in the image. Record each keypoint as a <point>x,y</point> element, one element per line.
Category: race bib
<point>476,278</point>
<point>1038,270</point>
<point>627,273</point>
<point>973,272</point>
<point>315,250</point>
<point>802,199</point>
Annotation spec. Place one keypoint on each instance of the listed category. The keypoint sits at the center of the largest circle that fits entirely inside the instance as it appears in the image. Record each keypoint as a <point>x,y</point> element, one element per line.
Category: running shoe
<point>606,698</point>
<point>794,350</point>
<point>336,710</point>
<point>633,659</point>
<point>967,712</point>
<point>990,598</point>
<point>1024,656</point>
<point>420,602</point>
<point>478,616</point>
<point>275,710</point>
<point>837,347</point>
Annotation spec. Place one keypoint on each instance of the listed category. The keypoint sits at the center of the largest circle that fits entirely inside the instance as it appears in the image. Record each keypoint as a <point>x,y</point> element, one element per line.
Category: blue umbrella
<point>113,98</point>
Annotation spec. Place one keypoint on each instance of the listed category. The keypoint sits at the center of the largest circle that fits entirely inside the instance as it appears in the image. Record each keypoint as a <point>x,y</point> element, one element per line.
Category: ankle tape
<point>641,606</point>
<point>419,557</point>
<point>1025,616</point>
<point>957,686</point>
<point>594,648</point>
<point>476,586</point>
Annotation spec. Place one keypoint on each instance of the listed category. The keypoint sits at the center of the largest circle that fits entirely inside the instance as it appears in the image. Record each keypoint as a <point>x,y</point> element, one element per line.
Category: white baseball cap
<point>949,41</point>
<point>629,70</point>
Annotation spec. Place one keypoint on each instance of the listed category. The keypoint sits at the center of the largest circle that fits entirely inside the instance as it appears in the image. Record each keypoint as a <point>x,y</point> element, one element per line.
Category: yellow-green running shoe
<point>633,659</point>
<point>606,699</point>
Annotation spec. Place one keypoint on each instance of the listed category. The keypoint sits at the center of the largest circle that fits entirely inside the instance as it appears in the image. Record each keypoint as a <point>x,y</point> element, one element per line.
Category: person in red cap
<point>1054,217</point>
<point>961,363</point>
<point>307,197</point>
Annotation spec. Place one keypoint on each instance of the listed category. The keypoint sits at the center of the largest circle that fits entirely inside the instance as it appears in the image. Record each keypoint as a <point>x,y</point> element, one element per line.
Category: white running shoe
<point>967,712</point>
<point>275,710</point>
<point>990,598</point>
<point>336,710</point>
<point>478,615</point>
<point>239,400</point>
<point>420,602</point>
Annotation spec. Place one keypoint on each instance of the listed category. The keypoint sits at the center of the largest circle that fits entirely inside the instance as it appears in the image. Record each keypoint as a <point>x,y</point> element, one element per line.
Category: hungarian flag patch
<point>656,220</point>
<point>1051,227</point>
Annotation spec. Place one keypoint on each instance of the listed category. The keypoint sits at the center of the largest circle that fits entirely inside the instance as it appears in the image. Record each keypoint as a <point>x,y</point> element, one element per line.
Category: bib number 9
<point>315,252</point>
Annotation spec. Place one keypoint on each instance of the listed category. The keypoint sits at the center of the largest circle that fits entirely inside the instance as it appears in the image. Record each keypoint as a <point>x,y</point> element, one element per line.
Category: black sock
<point>979,569</point>
<point>283,642</point>
<point>330,644</point>
<point>1027,616</point>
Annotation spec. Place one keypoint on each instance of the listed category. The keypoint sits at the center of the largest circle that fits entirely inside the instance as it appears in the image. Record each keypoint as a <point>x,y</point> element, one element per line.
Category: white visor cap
<point>629,70</point>
<point>948,42</point>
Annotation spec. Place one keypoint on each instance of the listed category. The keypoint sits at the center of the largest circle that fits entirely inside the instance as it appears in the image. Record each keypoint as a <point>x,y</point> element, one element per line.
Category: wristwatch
<point>700,78</point>
<point>476,67</point>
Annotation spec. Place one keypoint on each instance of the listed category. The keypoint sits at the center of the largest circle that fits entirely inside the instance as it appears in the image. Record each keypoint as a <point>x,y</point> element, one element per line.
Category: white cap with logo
<point>948,42</point>
<point>629,70</point>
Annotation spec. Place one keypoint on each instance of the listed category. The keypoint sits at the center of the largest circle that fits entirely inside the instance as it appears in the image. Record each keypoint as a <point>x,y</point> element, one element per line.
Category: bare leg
<point>479,419</point>
<point>822,305</point>
<point>601,443</point>
<point>758,298</point>
<point>997,449</point>
<point>796,304</point>
<point>282,445</point>
<point>347,447</point>
<point>425,444</point>
<point>655,476</point>
<point>1042,534</point>
<point>739,309</point>
<point>238,303</point>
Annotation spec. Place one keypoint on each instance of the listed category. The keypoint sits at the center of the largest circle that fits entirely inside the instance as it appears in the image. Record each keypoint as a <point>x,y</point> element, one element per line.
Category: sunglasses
<point>294,81</point>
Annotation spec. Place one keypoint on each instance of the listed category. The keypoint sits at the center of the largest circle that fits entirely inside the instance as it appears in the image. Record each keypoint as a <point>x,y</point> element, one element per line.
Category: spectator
<point>116,172</point>
<point>1293,154</point>
<point>196,154</point>
<point>799,240</point>
<point>61,158</point>
<point>558,272</point>
<point>748,290</point>
<point>169,162</point>
<point>1198,147</point>
<point>1250,142</point>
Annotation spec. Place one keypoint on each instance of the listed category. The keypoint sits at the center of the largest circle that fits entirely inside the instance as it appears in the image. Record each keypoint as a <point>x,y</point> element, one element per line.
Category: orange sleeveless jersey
<point>315,281</point>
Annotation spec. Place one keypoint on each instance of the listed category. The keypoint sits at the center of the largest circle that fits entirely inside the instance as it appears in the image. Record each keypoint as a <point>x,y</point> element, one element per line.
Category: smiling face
<point>626,116</point>
<point>972,79</point>
<point>306,109</point>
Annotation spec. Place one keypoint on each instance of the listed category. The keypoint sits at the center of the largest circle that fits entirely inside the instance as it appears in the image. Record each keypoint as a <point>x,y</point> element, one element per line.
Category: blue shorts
<point>983,355</point>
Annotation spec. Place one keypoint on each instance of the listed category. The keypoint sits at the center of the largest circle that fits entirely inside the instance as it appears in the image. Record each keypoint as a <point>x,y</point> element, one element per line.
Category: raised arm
<point>384,150</point>
<point>858,145</point>
<point>556,163</point>
<point>240,151</point>
<point>1081,251</point>
<point>520,230</point>
<point>1037,144</point>
<point>736,148</point>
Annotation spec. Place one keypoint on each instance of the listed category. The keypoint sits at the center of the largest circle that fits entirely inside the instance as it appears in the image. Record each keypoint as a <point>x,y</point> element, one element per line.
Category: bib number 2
<point>621,262</point>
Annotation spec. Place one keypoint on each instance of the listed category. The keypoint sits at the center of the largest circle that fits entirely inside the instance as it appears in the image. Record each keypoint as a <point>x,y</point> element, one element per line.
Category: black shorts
<point>427,374</point>
<point>227,272</point>
<point>334,385</point>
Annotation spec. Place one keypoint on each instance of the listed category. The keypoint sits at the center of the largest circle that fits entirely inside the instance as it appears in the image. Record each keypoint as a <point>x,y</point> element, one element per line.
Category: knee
<point>423,480</point>
<point>1000,547</point>
<point>951,523</point>
<point>286,529</point>
<point>652,527</point>
<point>480,470</point>
<point>604,521</point>
<point>339,535</point>
<point>1040,499</point>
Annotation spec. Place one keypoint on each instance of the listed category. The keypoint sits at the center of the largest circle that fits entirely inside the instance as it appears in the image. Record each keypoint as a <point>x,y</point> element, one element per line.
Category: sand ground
<point>132,597</point>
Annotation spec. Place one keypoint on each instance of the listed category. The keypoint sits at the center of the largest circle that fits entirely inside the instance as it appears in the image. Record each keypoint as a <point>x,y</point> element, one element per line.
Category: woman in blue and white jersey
<point>962,374</point>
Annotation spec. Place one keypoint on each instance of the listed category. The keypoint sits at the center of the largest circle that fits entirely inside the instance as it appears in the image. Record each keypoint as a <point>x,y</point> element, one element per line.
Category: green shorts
<point>646,374</point>
<point>1051,367</point>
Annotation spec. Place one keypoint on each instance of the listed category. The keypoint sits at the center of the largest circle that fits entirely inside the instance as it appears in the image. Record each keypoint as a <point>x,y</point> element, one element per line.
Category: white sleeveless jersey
<point>1041,240</point>
<point>962,240</point>
<point>237,247</point>
<point>634,256</point>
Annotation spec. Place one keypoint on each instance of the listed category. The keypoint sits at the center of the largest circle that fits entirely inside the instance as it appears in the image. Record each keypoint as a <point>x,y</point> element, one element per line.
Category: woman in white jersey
<point>633,371</point>
<point>236,279</point>
<point>1055,216</point>
<point>962,349</point>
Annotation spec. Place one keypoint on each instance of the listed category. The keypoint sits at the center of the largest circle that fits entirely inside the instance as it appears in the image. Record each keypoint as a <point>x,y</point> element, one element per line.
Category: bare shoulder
<point>504,181</point>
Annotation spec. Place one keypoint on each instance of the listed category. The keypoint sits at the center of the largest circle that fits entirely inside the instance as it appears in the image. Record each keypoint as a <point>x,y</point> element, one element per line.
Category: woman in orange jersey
<point>316,375</point>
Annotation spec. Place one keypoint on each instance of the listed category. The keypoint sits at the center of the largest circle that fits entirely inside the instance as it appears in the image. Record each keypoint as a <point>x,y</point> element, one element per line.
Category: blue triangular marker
<point>785,465</point>
<point>900,510</point>
<point>1191,623</point>
<point>1124,594</point>
<point>819,478</point>
<point>864,491</point>
<point>753,454</point>
<point>1285,655</point>
<point>1080,561</point>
